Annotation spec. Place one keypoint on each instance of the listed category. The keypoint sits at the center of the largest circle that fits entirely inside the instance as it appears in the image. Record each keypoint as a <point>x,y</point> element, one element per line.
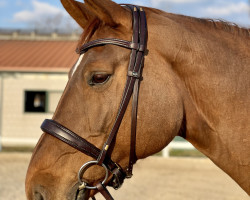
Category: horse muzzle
<point>40,193</point>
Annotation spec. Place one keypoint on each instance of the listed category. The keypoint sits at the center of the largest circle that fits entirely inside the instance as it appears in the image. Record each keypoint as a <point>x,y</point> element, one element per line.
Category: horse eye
<point>99,79</point>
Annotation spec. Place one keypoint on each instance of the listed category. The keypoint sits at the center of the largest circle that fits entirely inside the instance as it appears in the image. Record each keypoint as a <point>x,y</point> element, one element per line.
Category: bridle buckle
<point>134,74</point>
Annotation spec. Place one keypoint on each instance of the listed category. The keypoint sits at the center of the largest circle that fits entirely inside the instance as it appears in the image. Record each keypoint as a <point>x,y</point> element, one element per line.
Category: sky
<point>32,14</point>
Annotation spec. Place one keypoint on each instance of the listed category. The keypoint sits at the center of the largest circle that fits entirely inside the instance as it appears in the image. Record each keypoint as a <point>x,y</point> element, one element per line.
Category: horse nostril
<point>38,196</point>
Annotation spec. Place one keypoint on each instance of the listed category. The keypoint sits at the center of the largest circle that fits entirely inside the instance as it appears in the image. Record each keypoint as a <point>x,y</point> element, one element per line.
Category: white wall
<point>16,126</point>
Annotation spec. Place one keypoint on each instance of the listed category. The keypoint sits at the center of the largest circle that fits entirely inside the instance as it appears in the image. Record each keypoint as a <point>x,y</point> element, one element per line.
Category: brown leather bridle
<point>134,76</point>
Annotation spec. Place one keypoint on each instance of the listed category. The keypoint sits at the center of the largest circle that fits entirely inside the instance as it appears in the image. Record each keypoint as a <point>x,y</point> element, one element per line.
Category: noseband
<point>134,76</point>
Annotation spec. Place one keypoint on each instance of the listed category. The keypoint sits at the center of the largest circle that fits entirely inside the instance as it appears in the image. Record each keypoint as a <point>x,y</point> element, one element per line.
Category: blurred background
<point>50,15</point>
<point>37,43</point>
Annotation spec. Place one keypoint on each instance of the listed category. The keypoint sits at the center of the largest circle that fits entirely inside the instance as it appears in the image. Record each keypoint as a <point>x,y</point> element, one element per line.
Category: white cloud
<point>39,10</point>
<point>44,16</point>
<point>228,9</point>
<point>158,2</point>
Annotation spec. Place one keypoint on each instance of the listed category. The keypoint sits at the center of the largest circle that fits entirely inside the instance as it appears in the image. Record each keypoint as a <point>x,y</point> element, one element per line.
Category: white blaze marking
<point>77,64</point>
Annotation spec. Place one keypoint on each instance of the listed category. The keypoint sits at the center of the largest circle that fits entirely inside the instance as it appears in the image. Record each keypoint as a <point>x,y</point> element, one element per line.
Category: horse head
<point>91,100</point>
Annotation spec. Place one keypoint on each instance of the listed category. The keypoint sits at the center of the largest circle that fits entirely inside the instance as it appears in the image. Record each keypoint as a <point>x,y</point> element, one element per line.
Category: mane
<point>216,24</point>
<point>210,23</point>
<point>224,25</point>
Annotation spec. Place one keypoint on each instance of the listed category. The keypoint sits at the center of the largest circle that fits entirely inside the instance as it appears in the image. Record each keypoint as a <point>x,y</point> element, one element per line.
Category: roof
<point>51,56</point>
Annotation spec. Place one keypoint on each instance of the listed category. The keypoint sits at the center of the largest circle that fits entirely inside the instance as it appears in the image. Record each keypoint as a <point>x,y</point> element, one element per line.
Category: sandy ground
<point>154,178</point>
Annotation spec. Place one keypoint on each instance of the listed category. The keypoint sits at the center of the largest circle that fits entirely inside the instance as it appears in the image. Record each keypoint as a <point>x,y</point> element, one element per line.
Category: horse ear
<point>109,12</point>
<point>78,11</point>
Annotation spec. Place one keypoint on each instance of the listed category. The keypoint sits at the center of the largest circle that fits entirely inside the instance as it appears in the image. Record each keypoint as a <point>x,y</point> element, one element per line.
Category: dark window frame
<point>35,101</point>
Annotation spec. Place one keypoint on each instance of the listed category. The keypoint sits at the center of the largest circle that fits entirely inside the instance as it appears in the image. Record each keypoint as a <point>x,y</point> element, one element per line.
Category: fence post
<point>165,152</point>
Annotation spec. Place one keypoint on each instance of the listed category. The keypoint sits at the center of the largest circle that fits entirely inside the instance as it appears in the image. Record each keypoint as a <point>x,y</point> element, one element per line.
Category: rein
<point>134,76</point>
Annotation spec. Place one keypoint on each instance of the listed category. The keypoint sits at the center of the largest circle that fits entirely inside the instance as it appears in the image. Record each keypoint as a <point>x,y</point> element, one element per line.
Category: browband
<point>113,41</point>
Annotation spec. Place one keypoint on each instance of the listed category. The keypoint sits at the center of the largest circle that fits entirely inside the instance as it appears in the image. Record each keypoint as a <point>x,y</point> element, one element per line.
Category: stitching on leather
<point>75,136</point>
<point>70,142</point>
<point>109,162</point>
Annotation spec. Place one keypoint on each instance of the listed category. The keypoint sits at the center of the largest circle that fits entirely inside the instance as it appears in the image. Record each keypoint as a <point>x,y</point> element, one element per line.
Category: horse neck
<point>212,64</point>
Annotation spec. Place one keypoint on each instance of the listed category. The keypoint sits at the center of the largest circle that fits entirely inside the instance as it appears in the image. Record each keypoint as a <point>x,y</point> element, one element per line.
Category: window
<point>41,101</point>
<point>35,101</point>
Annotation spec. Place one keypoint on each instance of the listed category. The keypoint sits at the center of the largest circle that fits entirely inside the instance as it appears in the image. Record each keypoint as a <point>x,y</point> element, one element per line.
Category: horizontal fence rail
<point>176,145</point>
<point>17,142</point>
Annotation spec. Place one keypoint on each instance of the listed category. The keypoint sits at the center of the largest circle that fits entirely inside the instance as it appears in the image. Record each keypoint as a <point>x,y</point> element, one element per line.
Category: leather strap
<point>69,137</point>
<point>103,190</point>
<point>62,133</point>
<point>113,41</point>
<point>143,39</point>
<point>135,65</point>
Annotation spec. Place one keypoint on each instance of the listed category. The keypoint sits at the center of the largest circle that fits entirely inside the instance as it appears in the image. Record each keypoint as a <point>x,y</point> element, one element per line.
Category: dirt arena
<point>154,178</point>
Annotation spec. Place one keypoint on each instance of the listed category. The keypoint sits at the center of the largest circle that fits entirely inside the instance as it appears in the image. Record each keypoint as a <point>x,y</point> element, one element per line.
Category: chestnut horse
<point>196,84</point>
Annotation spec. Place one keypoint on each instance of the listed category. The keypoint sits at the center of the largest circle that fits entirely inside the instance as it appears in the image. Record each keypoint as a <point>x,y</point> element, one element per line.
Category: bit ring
<point>84,168</point>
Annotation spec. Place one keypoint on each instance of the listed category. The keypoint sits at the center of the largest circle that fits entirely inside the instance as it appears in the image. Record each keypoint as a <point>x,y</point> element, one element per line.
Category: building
<point>33,74</point>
